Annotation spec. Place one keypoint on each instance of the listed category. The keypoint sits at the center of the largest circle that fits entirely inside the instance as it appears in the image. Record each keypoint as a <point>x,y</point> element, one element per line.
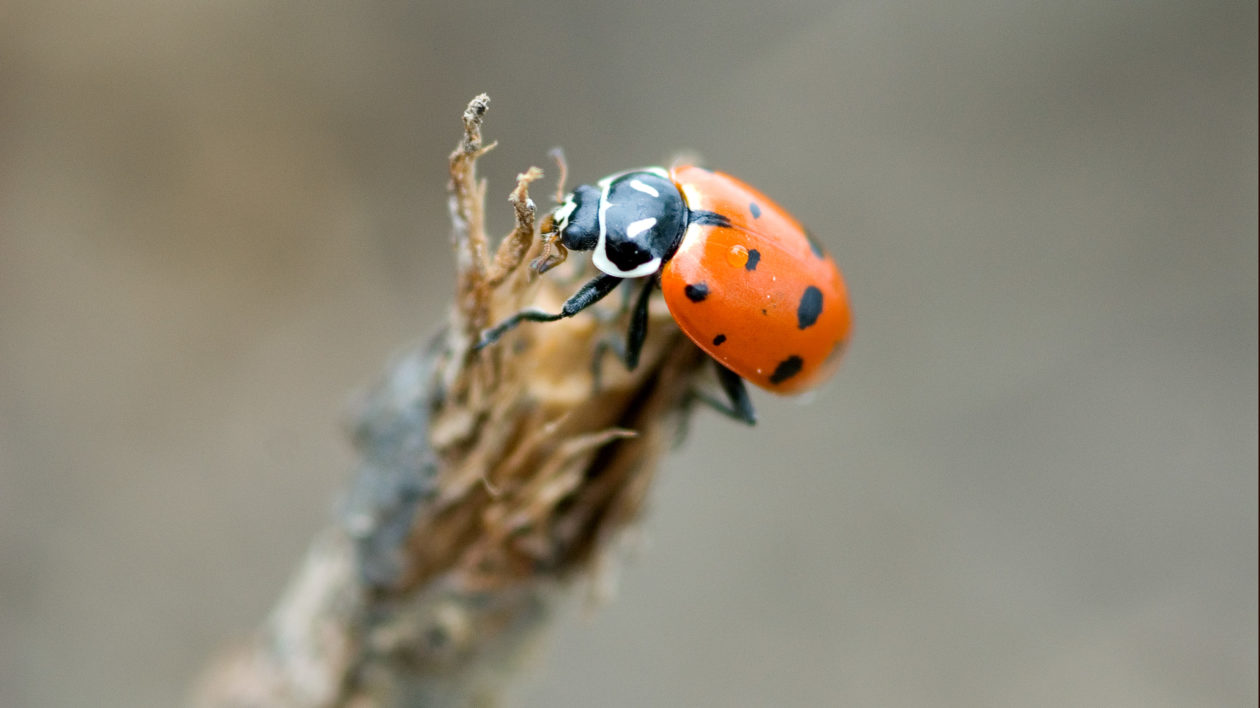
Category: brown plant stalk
<point>489,482</point>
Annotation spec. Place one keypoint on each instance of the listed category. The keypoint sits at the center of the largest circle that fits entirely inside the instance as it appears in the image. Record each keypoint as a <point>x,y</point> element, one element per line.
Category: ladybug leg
<point>588,295</point>
<point>635,336</point>
<point>737,405</point>
<point>637,332</point>
<point>553,252</point>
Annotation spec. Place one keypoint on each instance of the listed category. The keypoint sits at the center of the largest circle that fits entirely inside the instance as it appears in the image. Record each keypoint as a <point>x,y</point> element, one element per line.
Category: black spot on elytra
<point>754,209</point>
<point>814,245</point>
<point>719,339</point>
<point>697,292</point>
<point>786,369</point>
<point>810,307</point>
<point>754,257</point>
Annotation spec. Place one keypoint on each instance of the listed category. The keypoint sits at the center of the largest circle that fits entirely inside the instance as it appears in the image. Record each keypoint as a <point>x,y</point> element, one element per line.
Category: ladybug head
<point>632,221</point>
<point>572,225</point>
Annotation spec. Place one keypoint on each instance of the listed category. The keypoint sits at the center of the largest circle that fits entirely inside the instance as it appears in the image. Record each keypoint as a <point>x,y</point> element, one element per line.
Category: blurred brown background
<point>1033,483</point>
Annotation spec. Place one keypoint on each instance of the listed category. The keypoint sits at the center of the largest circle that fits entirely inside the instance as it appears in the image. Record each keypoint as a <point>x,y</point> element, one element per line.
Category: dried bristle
<point>538,467</point>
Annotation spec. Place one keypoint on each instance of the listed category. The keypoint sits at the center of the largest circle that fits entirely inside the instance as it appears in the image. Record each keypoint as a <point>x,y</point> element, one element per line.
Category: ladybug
<point>741,277</point>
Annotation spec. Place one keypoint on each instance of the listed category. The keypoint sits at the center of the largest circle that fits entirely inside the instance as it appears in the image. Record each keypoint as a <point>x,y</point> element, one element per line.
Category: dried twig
<point>489,480</point>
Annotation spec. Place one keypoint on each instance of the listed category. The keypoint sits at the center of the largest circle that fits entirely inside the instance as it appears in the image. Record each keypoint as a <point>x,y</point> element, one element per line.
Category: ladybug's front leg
<point>553,250</point>
<point>588,295</point>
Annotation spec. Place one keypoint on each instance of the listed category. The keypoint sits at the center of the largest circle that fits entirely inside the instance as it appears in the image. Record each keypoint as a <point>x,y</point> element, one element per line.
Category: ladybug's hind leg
<point>588,295</point>
<point>737,405</point>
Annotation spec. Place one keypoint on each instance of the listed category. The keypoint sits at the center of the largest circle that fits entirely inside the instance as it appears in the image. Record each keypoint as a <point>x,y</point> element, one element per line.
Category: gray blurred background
<point>1033,483</point>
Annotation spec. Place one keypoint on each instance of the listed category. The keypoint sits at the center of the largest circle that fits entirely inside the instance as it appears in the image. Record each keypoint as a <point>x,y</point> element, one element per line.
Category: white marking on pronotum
<point>637,227</point>
<point>600,256</point>
<point>562,214</point>
<point>600,259</point>
<point>646,189</point>
<point>604,186</point>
